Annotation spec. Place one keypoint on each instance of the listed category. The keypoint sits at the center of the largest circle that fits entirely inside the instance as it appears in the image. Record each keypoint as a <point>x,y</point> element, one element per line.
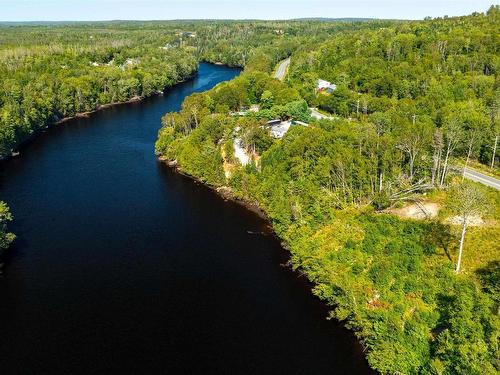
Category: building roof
<point>325,85</point>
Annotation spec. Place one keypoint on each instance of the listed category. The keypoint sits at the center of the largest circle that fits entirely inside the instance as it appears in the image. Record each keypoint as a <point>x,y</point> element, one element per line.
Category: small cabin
<point>325,86</point>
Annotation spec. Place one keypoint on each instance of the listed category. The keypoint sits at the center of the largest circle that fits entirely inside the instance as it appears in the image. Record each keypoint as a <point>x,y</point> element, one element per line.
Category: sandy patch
<point>473,221</point>
<point>417,211</point>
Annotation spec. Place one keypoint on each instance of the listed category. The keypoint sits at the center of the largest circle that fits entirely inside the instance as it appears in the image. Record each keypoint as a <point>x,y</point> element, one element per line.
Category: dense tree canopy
<point>438,71</point>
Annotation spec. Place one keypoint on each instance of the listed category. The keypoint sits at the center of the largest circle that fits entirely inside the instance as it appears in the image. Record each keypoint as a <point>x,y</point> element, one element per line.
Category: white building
<point>322,85</point>
<point>279,128</point>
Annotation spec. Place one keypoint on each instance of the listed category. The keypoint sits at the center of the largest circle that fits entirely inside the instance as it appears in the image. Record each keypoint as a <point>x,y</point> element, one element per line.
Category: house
<point>274,123</point>
<point>279,128</point>
<point>322,86</point>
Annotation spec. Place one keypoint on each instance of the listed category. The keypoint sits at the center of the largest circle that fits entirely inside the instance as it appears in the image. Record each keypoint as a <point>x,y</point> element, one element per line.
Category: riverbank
<point>15,152</point>
<point>220,63</point>
<point>225,192</point>
<point>104,106</point>
<point>134,99</point>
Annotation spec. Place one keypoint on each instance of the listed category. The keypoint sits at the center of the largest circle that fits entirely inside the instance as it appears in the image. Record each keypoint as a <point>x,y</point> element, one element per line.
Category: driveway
<point>281,71</point>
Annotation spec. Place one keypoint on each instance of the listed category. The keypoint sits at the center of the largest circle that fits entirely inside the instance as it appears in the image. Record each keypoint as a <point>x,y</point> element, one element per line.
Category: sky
<point>93,10</point>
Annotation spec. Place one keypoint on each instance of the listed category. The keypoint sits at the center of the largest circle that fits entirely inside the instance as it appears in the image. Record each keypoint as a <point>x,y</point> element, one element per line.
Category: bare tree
<point>494,152</point>
<point>414,139</point>
<point>177,121</point>
<point>453,135</point>
<point>467,202</point>
<point>472,136</point>
<point>437,145</point>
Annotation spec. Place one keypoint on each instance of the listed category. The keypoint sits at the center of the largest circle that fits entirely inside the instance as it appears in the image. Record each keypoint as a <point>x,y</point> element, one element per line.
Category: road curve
<point>318,115</point>
<point>484,179</point>
<point>281,71</point>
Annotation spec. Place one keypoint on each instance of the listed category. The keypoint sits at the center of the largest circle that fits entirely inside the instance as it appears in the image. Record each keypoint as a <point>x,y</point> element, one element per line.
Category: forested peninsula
<point>358,158</point>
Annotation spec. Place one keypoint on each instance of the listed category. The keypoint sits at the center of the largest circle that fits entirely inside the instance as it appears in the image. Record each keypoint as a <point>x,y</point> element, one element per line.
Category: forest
<point>413,103</point>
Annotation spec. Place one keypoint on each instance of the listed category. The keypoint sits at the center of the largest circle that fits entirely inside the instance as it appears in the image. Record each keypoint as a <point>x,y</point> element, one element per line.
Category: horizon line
<point>319,18</point>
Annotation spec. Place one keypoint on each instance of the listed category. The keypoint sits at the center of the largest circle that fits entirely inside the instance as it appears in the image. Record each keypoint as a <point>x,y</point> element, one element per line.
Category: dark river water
<point>122,266</point>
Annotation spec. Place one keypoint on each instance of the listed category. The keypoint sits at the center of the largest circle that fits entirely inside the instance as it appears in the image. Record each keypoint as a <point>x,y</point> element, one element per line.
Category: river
<point>123,266</point>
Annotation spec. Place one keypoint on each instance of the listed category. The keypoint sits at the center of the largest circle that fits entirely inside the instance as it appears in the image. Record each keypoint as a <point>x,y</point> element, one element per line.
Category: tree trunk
<point>438,169</point>
<point>433,171</point>
<point>195,118</point>
<point>445,167</point>
<point>494,152</point>
<point>464,228</point>
<point>412,161</point>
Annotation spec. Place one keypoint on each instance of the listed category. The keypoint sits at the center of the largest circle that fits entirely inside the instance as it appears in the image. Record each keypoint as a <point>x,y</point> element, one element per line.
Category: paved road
<point>281,71</point>
<point>318,115</point>
<point>474,175</point>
